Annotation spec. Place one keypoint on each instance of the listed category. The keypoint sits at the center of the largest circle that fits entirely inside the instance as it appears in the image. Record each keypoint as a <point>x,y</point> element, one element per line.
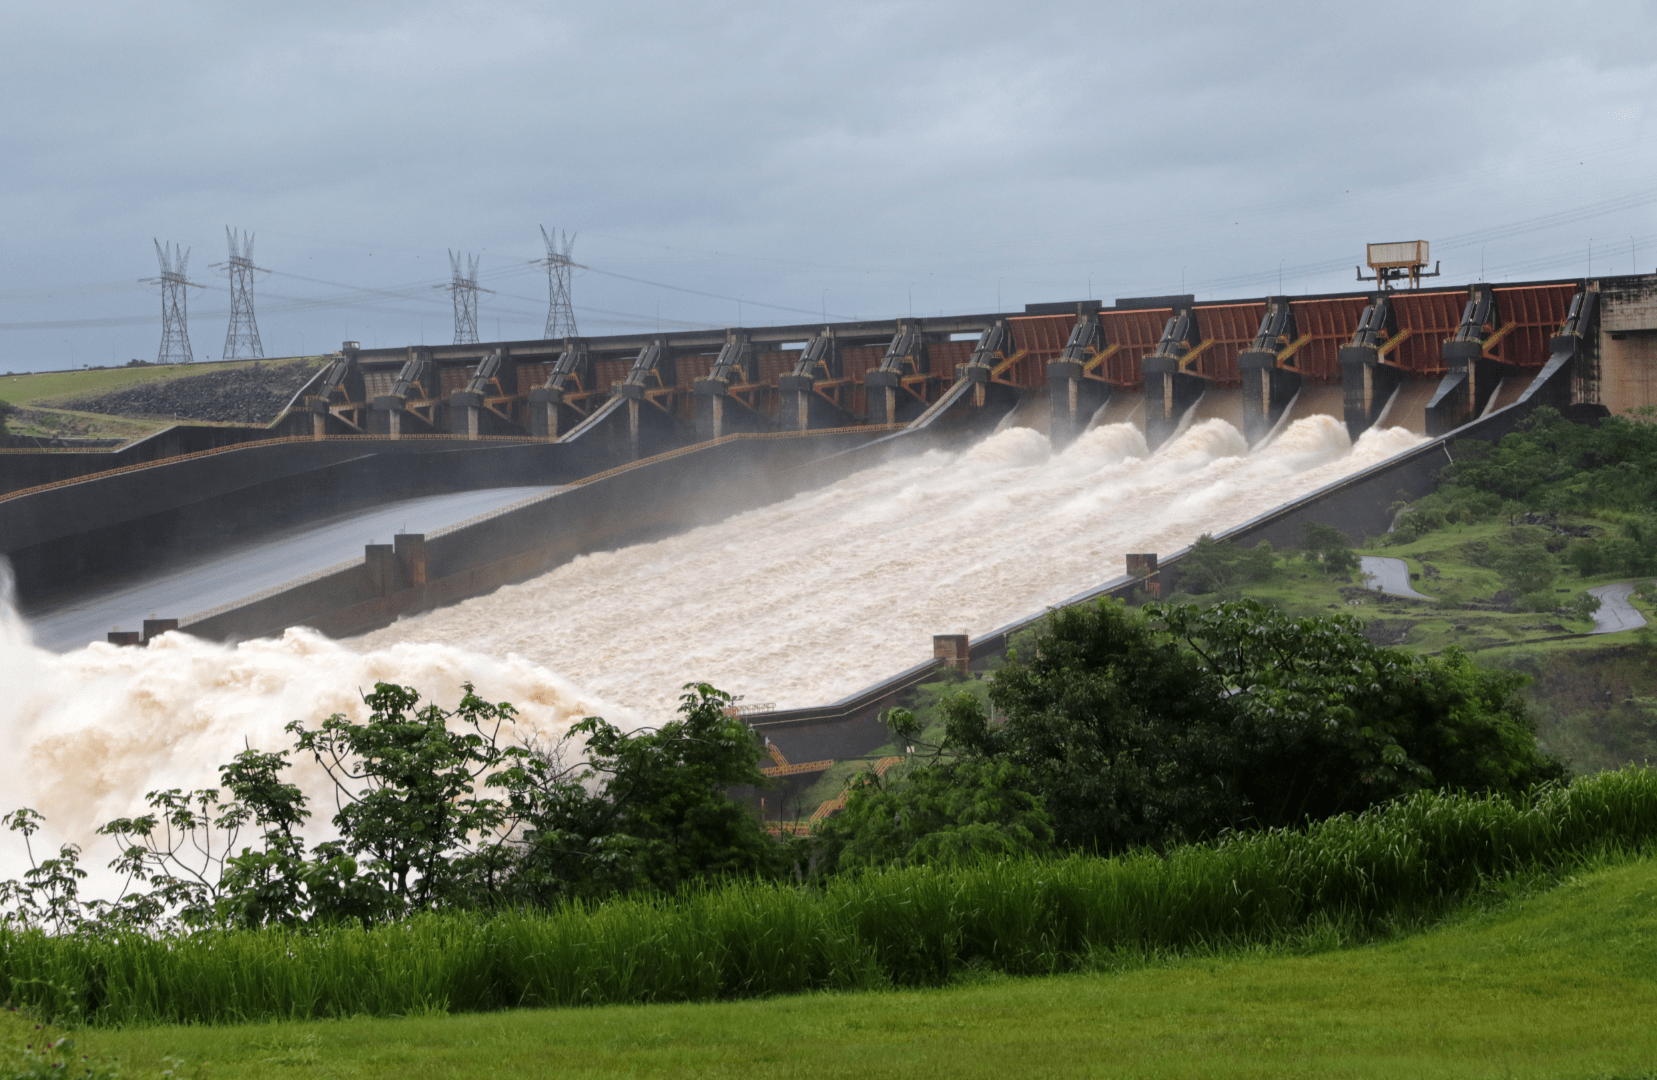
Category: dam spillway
<point>794,602</point>
<point>807,600</point>
<point>1134,429</point>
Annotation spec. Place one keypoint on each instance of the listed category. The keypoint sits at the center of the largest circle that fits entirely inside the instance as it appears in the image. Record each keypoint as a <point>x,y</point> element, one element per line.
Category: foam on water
<point>805,601</point>
<point>799,603</point>
<point>87,733</point>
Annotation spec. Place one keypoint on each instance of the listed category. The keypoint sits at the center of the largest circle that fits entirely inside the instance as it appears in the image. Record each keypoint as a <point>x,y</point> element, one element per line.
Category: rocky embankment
<point>245,395</point>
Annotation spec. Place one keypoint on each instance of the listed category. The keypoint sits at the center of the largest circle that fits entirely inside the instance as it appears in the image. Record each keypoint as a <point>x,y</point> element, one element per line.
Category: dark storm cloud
<point>835,156</point>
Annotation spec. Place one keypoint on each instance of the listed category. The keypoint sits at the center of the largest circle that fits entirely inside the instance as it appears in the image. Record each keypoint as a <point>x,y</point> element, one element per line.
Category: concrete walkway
<point>1615,611</point>
<point>1391,576</point>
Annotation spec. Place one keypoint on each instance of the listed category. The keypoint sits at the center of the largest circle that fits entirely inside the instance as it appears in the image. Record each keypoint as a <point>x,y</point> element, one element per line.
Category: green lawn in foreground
<point>1559,984</point>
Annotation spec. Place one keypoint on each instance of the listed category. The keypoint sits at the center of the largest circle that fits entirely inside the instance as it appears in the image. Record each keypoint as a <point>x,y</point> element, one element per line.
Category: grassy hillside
<point>27,389</point>
<point>1555,983</point>
<point>39,396</point>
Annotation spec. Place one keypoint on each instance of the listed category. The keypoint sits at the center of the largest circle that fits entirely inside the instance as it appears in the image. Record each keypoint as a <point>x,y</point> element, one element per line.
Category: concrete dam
<point>791,513</point>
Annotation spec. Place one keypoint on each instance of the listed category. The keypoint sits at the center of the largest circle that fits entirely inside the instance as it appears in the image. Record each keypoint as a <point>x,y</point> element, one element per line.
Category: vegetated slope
<point>1351,877</point>
<point>1558,983</point>
<point>1595,708</point>
<point>243,395</point>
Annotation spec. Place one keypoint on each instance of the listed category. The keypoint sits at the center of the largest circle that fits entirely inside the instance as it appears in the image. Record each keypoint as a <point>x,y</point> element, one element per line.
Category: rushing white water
<point>798,603</point>
<point>88,733</point>
<point>810,599</point>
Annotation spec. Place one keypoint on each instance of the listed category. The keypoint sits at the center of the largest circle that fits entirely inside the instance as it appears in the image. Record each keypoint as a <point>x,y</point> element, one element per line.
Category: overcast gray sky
<point>860,159</point>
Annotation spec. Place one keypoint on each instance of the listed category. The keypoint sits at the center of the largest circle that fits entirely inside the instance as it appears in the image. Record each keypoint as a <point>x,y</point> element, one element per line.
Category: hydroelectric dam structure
<point>474,467</point>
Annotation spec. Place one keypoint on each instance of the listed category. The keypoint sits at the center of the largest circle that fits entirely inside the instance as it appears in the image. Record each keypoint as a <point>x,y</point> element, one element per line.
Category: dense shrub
<point>1175,722</point>
<point>905,926</point>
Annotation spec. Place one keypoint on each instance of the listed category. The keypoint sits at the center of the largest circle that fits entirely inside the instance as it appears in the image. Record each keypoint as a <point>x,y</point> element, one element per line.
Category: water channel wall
<point>125,522</point>
<point>629,504</point>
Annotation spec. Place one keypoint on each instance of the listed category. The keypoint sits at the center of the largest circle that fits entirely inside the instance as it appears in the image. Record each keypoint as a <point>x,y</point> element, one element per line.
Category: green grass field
<point>49,386</point>
<point>1554,983</point>
<point>37,396</point>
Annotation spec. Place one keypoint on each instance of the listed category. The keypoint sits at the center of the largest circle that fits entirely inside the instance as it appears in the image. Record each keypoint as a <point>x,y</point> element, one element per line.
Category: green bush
<point>1173,722</point>
<point>1552,466</point>
<point>906,926</point>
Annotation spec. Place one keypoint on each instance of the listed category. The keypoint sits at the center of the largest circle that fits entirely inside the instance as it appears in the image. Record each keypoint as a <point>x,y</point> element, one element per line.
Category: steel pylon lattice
<point>560,309</point>
<point>175,318</point>
<point>241,338</point>
<point>463,287</point>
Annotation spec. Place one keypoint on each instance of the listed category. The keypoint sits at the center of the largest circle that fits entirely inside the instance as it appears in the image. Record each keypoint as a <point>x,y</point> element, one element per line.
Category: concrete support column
<point>1143,565</point>
<point>881,389</point>
<point>385,416</point>
<point>410,549</point>
<point>1074,399</point>
<point>1267,391</point>
<point>1169,393</point>
<point>125,637</point>
<point>952,650</point>
<point>543,413</point>
<point>464,407</point>
<point>1367,387</point>
<point>381,563</point>
<point>1466,387</point>
<point>154,628</point>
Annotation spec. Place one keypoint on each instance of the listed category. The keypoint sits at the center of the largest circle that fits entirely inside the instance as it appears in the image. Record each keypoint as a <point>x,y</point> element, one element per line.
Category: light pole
<point>998,296</point>
<point>911,299</point>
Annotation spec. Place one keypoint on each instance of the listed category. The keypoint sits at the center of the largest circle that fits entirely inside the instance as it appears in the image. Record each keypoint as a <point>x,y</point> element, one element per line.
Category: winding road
<point>1616,612</point>
<point>1391,576</point>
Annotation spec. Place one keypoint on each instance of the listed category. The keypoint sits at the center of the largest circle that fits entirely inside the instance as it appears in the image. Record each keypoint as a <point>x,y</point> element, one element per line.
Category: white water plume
<point>89,732</point>
<point>798,603</point>
<point>807,600</point>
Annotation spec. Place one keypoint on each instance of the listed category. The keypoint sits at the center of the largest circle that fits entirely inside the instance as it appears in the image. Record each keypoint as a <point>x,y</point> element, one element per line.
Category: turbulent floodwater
<point>796,603</point>
<point>87,733</point>
<point>811,599</point>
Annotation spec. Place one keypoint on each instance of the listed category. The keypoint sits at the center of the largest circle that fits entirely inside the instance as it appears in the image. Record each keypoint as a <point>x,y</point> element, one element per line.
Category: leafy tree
<point>1176,722</point>
<point>1329,548</point>
<point>645,809</point>
<point>1527,568</point>
<point>1214,566</point>
<point>946,811</point>
<point>406,782</point>
<point>48,897</point>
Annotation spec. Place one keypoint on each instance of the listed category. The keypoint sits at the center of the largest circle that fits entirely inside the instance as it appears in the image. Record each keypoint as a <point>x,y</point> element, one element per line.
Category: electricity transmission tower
<point>175,320</point>
<point>241,340</point>
<point>463,286</point>
<point>560,311</point>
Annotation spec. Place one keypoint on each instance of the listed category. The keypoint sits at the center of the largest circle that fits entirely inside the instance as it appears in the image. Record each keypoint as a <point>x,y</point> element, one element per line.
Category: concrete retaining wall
<point>135,521</point>
<point>26,468</point>
<point>654,497</point>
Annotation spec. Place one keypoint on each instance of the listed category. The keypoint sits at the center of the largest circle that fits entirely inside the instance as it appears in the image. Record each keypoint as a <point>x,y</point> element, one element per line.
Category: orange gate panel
<point>1432,319</point>
<point>1535,313</point>
<point>1331,324</point>
<point>1137,331</point>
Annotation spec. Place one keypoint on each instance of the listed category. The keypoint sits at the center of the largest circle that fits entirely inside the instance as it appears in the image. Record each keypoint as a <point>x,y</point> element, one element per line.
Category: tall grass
<point>905,927</point>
